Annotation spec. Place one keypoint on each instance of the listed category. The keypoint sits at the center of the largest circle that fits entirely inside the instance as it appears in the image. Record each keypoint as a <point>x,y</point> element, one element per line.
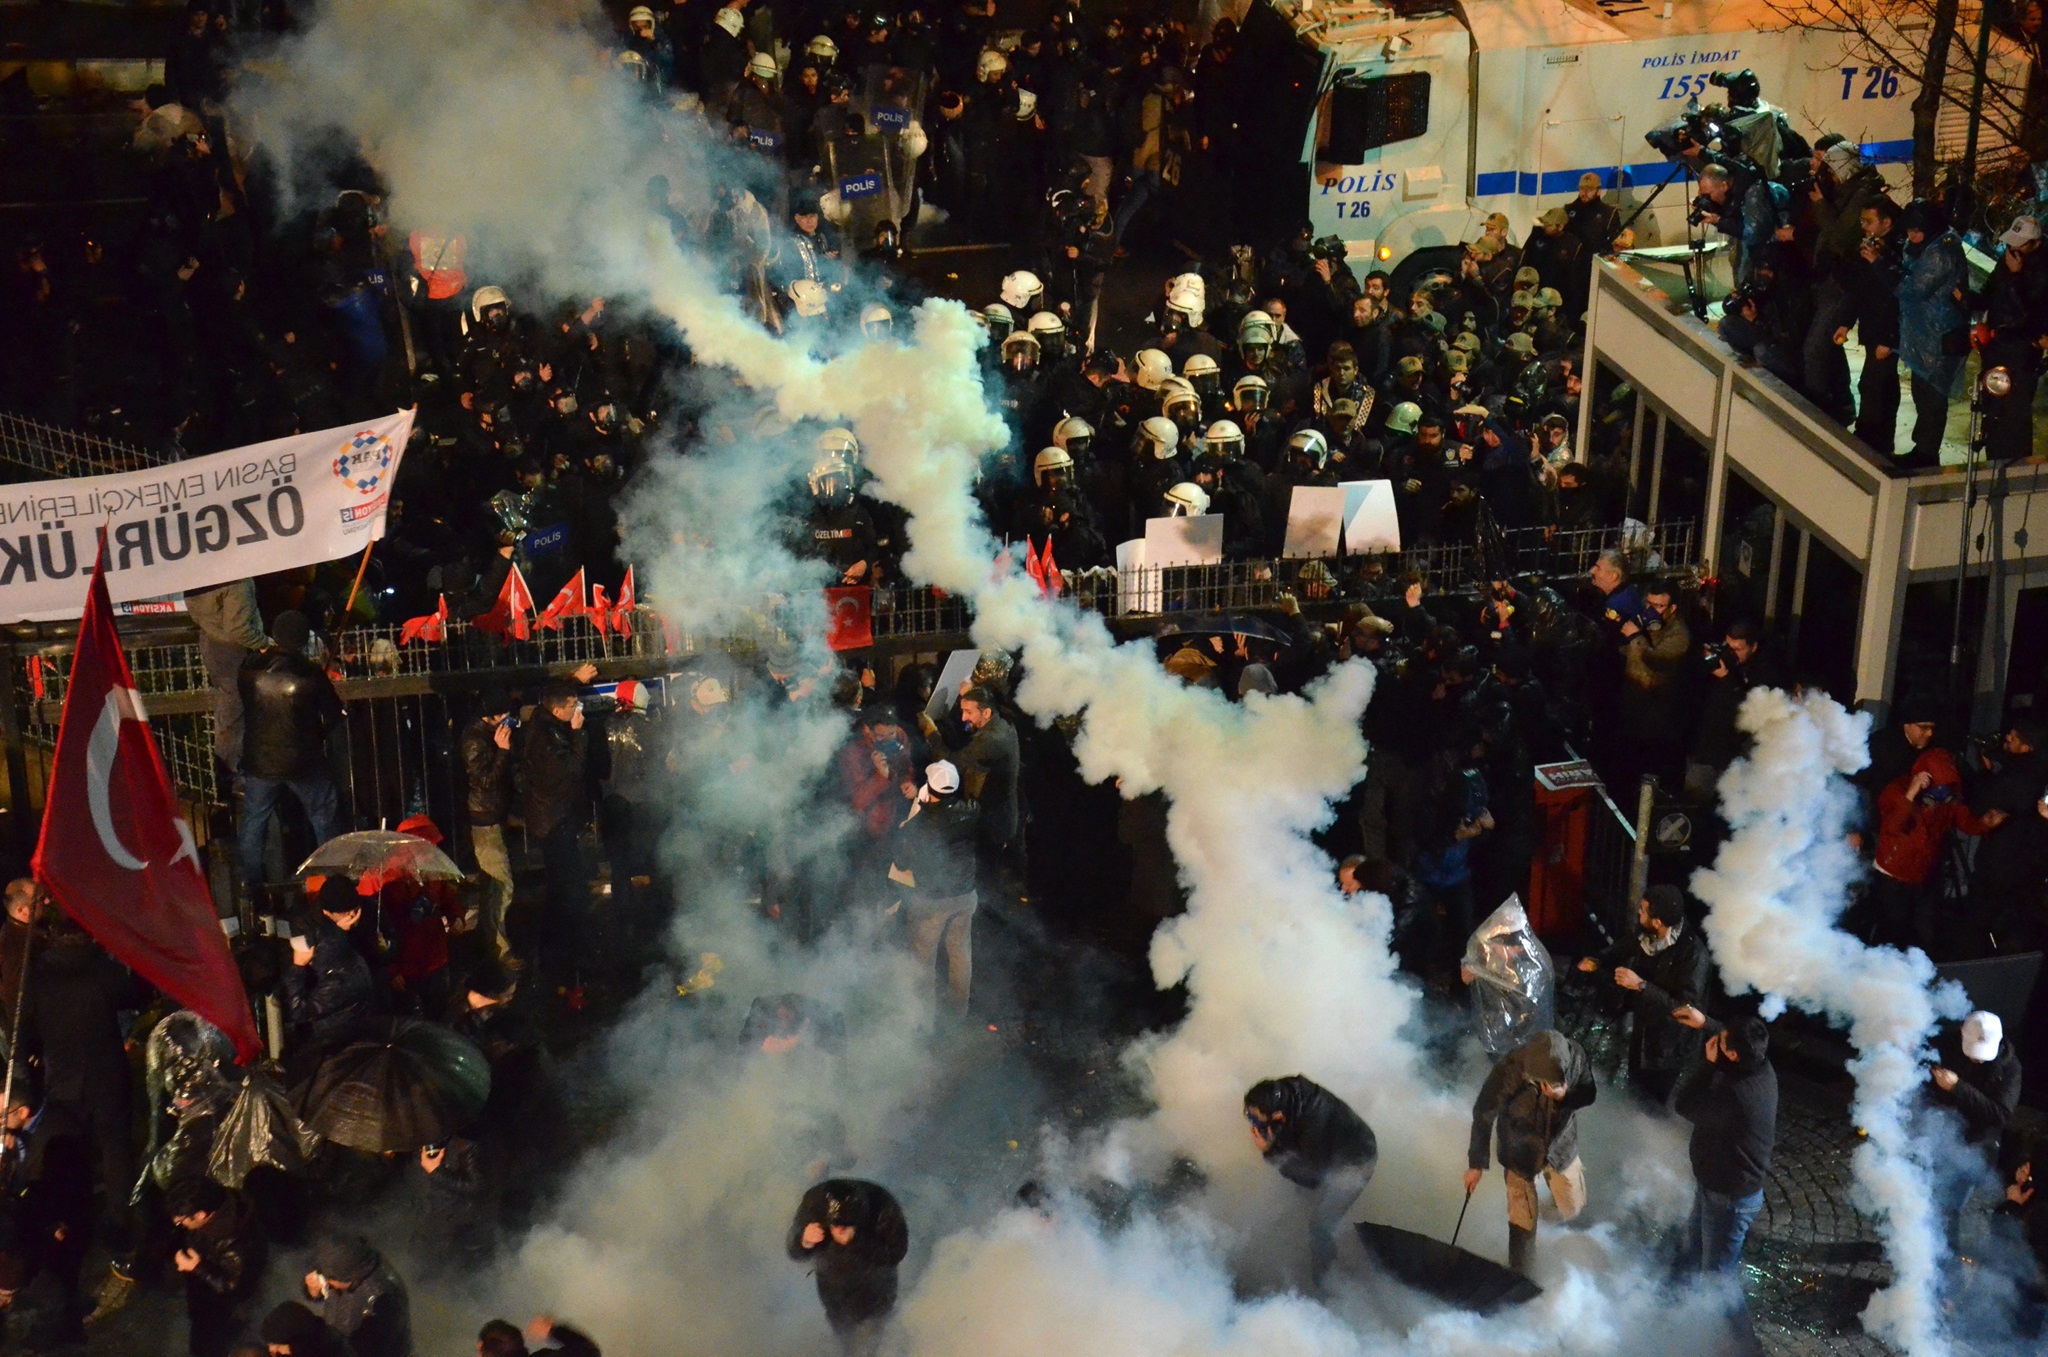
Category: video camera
<point>1744,90</point>
<point>1327,247</point>
<point>1696,128</point>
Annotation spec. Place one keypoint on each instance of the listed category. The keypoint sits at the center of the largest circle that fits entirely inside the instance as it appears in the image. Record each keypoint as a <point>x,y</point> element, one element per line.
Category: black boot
<point>1521,1248</point>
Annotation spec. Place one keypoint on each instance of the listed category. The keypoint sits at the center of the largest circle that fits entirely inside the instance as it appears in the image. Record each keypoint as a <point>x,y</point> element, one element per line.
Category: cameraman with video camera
<point>1842,187</point>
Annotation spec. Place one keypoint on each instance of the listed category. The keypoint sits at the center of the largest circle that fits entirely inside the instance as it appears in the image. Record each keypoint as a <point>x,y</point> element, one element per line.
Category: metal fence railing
<point>32,450</point>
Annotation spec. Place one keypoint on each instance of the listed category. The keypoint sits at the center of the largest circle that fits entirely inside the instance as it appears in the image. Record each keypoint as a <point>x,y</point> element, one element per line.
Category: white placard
<point>1315,513</point>
<point>1137,588</point>
<point>204,521</point>
<point>1184,541</point>
<point>1370,521</point>
<point>959,667</point>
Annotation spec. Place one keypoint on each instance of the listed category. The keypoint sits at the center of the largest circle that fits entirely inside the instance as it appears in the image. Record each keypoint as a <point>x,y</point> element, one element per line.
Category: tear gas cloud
<point>498,120</point>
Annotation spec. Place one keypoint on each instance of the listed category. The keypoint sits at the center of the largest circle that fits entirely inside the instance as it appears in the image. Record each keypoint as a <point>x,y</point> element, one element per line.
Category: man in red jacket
<point>1915,813</point>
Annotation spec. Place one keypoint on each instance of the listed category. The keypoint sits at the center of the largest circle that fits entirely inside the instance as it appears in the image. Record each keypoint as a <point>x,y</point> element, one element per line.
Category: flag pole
<point>28,938</point>
<point>355,588</point>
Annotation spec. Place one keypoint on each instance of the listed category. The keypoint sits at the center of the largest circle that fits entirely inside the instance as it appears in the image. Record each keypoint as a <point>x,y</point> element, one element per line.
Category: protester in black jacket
<point>221,1254</point>
<point>289,704</point>
<point>328,991</point>
<point>487,770</point>
<point>1528,1104</point>
<point>1662,968</point>
<point>1873,284</point>
<point>854,1234</point>
<point>1977,1073</point>
<point>934,855</point>
<point>1731,1099</point>
<point>554,780</point>
<point>1316,1142</point>
<point>2014,302</point>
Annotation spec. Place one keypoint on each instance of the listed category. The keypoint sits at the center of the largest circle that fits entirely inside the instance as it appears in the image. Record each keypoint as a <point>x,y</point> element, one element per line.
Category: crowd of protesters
<point>1270,366</point>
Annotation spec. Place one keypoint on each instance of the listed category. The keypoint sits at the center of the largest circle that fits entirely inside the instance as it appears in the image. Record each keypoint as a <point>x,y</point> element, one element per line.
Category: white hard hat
<point>873,314</point>
<point>1311,441</point>
<point>809,297</point>
<point>822,47</point>
<point>1049,459</point>
<point>1071,428</point>
<point>485,298</point>
<point>1162,434</point>
<point>1045,323</point>
<point>730,20</point>
<point>1187,302</point>
<point>1257,328</point>
<point>1200,365</point>
<point>1225,437</point>
<point>990,65</point>
<point>640,14</point>
<point>839,443</point>
<point>1249,385</point>
<point>763,65</point>
<point>914,140</point>
<point>1027,106</point>
<point>1404,417</point>
<point>1188,282</point>
<point>1192,499</point>
<point>1175,392</point>
<point>1153,367</point>
<point>1020,289</point>
<point>995,313</point>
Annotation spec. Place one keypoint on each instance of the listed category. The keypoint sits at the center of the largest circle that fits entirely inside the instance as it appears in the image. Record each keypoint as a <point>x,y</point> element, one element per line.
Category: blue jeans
<point>1718,1226</point>
<point>260,796</point>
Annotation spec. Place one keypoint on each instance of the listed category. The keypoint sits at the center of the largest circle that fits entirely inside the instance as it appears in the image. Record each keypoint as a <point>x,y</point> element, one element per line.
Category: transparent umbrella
<point>377,856</point>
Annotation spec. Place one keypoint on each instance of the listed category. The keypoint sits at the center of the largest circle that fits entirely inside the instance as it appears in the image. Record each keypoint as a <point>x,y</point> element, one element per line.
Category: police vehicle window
<point>1369,112</point>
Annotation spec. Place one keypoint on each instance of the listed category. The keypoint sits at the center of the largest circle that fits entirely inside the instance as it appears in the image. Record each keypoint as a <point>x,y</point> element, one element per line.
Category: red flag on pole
<point>115,853</point>
<point>432,627</point>
<point>1053,583</point>
<point>508,616</point>
<point>850,617</point>
<point>1033,567</point>
<point>600,610</point>
<point>622,611</point>
<point>568,602</point>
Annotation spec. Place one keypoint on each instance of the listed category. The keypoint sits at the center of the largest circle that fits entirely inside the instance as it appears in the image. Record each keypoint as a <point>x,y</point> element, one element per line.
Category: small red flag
<point>600,609</point>
<point>567,602</point>
<point>1054,583</point>
<point>850,617</point>
<point>508,617</point>
<point>622,611</point>
<point>432,627</point>
<point>1033,567</point>
<point>114,851</point>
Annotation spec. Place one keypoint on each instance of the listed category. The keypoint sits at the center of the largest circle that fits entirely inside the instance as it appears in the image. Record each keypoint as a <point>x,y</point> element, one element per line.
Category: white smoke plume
<point>1774,896</point>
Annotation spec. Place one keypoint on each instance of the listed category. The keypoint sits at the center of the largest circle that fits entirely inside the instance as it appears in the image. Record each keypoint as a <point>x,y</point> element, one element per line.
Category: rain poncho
<point>1514,985</point>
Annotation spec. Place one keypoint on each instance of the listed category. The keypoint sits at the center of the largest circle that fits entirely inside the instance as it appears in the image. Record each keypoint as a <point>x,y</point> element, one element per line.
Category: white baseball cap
<point>1982,1034</point>
<point>2022,231</point>
<point>943,778</point>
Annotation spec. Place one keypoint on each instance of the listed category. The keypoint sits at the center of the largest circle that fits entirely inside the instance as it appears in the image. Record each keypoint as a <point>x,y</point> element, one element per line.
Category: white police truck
<point>1429,115</point>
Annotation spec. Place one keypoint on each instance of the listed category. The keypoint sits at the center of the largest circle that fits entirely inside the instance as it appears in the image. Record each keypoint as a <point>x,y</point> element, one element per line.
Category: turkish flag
<point>622,611</point>
<point>600,609</point>
<point>114,851</point>
<point>567,603</point>
<point>1051,583</point>
<point>508,616</point>
<point>432,627</point>
<point>850,617</point>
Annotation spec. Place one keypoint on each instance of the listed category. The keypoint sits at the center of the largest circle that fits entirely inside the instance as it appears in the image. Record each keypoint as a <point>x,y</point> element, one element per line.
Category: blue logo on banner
<point>548,540</point>
<point>892,119</point>
<point>861,185</point>
<point>764,141</point>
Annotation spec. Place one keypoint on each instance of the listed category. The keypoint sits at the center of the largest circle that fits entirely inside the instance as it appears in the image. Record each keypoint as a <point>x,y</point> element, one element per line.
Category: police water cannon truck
<point>1417,119</point>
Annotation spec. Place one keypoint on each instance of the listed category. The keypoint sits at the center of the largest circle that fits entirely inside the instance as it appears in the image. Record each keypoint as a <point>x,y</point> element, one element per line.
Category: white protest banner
<point>1371,522</point>
<point>207,520</point>
<point>1315,513</point>
<point>1137,588</point>
<point>1184,541</point>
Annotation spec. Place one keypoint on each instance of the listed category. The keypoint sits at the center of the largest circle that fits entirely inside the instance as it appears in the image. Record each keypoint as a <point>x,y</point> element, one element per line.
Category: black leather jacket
<point>553,775</point>
<point>290,705</point>
<point>488,771</point>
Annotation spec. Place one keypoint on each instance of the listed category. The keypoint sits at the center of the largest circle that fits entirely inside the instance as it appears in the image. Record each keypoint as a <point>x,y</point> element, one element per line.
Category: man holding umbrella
<point>1529,1103</point>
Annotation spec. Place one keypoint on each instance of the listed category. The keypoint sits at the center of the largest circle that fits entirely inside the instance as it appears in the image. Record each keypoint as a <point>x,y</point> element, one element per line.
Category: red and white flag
<point>622,611</point>
<point>1051,582</point>
<point>567,602</point>
<point>850,617</point>
<point>600,609</point>
<point>114,851</point>
<point>432,627</point>
<point>509,616</point>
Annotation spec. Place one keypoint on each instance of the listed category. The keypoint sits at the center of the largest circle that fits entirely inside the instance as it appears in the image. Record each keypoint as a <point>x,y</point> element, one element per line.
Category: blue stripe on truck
<point>1524,183</point>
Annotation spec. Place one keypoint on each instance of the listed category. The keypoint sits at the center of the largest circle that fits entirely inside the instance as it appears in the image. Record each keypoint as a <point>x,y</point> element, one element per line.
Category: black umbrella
<point>415,1084</point>
<point>1446,1271</point>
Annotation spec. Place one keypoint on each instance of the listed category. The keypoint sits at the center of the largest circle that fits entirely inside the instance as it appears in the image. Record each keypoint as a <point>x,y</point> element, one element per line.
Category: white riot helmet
<point>762,67</point>
<point>1203,374</point>
<point>1179,403</point>
<point>839,443</point>
<point>990,66</point>
<point>1021,291</point>
<point>915,142</point>
<point>999,321</point>
<point>633,64</point>
<point>1187,500</point>
<point>876,322</point>
<point>834,208</point>
<point>1311,444</point>
<point>1187,305</point>
<point>1051,332</point>
<point>730,20</point>
<point>1404,417</point>
<point>1249,393</point>
<point>832,479</point>
<point>1224,438</point>
<point>1153,368</point>
<point>1255,336</point>
<point>1020,351</point>
<point>1075,434</point>
<point>1050,459</point>
<point>485,298</point>
<point>1188,282</point>
<point>823,48</point>
<point>640,14</point>
<point>1159,436</point>
<point>808,297</point>
<point>1027,106</point>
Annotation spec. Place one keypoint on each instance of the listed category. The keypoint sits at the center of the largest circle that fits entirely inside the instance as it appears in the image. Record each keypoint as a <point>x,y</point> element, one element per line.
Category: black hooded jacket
<point>856,1280</point>
<point>290,705</point>
<point>1734,1114</point>
<point>1319,1132</point>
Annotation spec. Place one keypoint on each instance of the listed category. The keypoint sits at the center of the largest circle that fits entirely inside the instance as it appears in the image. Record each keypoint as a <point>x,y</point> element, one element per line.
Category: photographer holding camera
<point>1842,187</point>
<point>1742,661</point>
<point>1873,284</point>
